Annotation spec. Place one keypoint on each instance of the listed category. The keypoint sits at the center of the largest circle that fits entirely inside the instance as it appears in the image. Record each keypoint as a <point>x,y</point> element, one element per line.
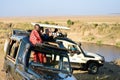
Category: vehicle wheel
<point>93,68</point>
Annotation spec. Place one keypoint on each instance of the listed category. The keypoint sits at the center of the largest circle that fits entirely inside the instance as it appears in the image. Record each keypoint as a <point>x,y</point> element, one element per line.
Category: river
<point>109,52</point>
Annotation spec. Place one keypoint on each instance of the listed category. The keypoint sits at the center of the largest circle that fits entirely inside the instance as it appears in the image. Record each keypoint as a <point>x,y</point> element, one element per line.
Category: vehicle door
<point>75,54</point>
<point>20,62</point>
<point>10,59</point>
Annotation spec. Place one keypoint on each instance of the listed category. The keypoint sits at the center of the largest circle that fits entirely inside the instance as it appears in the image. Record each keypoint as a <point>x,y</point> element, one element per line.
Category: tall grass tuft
<point>118,44</point>
<point>99,42</point>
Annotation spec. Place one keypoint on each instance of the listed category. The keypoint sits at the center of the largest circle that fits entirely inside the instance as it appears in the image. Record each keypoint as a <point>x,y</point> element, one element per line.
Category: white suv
<point>80,58</point>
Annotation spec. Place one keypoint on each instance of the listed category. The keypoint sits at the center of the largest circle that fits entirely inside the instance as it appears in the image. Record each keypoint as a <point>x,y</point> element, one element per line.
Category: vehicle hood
<point>93,55</point>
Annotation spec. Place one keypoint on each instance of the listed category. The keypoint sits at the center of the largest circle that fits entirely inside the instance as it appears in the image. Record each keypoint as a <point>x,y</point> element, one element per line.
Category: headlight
<point>101,61</point>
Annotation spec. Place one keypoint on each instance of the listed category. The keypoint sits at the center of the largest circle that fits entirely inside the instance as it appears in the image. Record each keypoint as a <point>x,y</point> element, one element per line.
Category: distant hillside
<point>93,29</point>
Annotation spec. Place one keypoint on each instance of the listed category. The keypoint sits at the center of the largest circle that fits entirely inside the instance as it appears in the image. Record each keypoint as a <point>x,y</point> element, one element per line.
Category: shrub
<point>99,42</point>
<point>118,44</point>
<point>46,22</point>
<point>95,25</point>
<point>91,38</point>
<point>105,25</point>
<point>69,22</point>
<point>53,23</point>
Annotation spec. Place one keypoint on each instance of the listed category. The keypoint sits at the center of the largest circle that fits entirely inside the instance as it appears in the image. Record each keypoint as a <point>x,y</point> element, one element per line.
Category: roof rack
<point>51,26</point>
<point>20,32</point>
<point>50,49</point>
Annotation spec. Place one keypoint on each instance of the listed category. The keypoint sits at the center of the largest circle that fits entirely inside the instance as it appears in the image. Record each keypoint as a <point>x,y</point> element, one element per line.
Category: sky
<point>58,7</point>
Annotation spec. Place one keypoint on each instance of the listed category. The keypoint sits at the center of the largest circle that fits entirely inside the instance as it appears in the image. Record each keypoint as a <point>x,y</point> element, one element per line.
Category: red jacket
<point>35,37</point>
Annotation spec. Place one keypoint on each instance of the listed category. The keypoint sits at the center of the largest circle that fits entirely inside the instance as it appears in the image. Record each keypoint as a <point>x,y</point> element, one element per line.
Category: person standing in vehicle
<point>47,36</point>
<point>35,38</point>
<point>55,33</point>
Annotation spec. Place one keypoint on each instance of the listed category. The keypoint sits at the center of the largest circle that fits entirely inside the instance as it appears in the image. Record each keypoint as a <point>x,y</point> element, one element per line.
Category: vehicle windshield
<point>55,63</point>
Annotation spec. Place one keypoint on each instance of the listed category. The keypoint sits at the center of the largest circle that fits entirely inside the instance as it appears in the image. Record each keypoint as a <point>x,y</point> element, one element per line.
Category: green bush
<point>99,42</point>
<point>90,38</point>
<point>53,23</point>
<point>95,25</point>
<point>46,22</point>
<point>118,44</point>
<point>69,22</point>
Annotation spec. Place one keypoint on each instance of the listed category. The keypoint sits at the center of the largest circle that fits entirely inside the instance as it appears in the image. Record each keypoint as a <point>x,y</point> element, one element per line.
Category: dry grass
<point>2,74</point>
<point>63,19</point>
<point>93,29</point>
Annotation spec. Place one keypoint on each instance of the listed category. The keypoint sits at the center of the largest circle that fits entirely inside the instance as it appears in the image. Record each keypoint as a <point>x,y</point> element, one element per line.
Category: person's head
<point>56,30</point>
<point>41,29</point>
<point>47,31</point>
<point>37,27</point>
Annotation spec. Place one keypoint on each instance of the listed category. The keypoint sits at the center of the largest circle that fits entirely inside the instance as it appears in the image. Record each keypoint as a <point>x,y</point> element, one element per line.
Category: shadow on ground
<point>110,71</point>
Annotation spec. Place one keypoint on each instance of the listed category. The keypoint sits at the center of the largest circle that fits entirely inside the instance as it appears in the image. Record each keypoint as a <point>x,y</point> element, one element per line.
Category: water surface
<point>109,52</point>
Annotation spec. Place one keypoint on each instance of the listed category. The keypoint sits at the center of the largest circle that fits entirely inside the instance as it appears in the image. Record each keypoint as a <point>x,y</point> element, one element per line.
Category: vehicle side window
<point>72,48</point>
<point>52,61</point>
<point>14,45</point>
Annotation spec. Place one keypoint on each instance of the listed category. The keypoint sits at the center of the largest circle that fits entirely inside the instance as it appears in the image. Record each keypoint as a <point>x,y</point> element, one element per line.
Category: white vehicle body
<point>80,58</point>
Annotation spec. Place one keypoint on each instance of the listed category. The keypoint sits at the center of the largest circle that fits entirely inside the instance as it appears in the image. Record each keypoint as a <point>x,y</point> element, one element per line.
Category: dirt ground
<point>110,71</point>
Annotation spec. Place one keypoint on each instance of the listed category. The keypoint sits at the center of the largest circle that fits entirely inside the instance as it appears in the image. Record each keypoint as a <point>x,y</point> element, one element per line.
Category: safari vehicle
<point>19,63</point>
<point>78,57</point>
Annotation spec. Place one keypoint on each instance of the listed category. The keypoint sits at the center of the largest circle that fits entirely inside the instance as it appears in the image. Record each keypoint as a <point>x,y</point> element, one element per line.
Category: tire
<point>93,68</point>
